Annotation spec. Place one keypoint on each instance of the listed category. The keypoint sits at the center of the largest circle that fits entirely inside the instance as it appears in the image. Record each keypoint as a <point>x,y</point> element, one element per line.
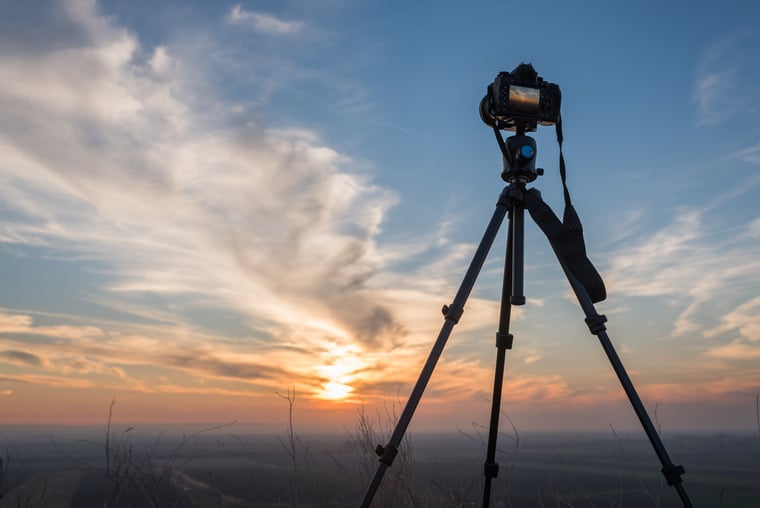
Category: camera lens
<point>485,111</point>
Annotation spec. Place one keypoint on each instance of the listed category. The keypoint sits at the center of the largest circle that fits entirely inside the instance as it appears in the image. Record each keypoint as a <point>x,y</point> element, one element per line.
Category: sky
<point>206,204</point>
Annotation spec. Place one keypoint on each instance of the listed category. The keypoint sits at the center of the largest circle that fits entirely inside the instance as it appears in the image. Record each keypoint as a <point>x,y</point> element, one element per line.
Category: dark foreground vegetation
<point>230,466</point>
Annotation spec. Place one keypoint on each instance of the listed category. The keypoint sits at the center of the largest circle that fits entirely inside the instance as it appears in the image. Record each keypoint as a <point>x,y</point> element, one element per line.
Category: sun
<point>335,391</point>
<point>339,370</point>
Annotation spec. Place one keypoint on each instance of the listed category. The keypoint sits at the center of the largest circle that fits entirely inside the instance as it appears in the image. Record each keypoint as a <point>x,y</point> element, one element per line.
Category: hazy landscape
<point>235,466</point>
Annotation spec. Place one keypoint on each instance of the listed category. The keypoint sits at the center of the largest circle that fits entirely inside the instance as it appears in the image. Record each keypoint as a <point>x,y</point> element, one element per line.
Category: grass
<point>216,467</point>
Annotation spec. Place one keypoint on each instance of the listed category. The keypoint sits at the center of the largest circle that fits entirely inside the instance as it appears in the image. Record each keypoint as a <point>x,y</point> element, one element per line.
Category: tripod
<point>566,240</point>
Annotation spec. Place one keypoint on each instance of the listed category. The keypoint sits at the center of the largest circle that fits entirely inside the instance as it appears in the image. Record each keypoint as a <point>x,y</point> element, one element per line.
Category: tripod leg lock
<point>596,323</point>
<point>673,473</point>
<point>453,312</point>
<point>386,453</point>
<point>504,340</point>
<point>490,469</point>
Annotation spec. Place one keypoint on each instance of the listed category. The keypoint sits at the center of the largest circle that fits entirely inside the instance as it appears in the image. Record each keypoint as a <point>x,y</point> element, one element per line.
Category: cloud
<point>725,86</point>
<point>750,154</point>
<point>22,357</point>
<point>712,91</point>
<point>648,266</point>
<point>105,157</point>
<point>754,228</point>
<point>745,319</point>
<point>691,264</point>
<point>736,350</point>
<point>97,355</point>
<point>113,153</point>
<point>264,23</point>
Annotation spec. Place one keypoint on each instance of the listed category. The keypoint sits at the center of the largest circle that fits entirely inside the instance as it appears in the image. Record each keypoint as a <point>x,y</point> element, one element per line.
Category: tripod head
<point>519,157</point>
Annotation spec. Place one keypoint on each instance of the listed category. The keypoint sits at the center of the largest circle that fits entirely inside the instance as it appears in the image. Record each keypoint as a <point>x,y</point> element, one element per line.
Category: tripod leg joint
<point>387,453</point>
<point>507,197</point>
<point>596,323</point>
<point>504,340</point>
<point>491,469</point>
<point>673,473</point>
<point>453,312</point>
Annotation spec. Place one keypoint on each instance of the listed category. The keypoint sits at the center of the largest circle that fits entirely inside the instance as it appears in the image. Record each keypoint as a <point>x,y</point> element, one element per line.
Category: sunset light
<point>235,240</point>
<point>202,208</point>
<point>335,391</point>
<point>342,366</point>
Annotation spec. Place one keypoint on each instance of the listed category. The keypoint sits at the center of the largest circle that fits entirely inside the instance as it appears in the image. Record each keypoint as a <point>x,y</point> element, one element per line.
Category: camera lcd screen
<point>523,100</point>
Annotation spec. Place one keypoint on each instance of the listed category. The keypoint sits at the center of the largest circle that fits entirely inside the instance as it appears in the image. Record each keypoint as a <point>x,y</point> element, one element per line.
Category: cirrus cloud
<point>262,22</point>
<point>112,153</point>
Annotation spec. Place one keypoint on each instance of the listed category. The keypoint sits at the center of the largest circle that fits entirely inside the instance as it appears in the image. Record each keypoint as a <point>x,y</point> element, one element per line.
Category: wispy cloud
<point>713,94</point>
<point>736,350</point>
<point>750,154</point>
<point>22,357</point>
<point>90,354</point>
<point>690,264</point>
<point>110,153</point>
<point>725,85</point>
<point>262,22</point>
<point>745,319</point>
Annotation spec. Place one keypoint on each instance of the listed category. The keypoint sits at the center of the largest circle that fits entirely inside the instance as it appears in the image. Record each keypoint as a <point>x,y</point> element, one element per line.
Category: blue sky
<point>207,202</point>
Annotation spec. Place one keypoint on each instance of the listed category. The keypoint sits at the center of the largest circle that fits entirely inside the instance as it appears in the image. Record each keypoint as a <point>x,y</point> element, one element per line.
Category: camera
<point>520,100</point>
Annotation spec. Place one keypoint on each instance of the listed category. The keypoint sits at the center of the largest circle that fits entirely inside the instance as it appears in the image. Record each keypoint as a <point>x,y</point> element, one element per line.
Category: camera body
<point>521,98</point>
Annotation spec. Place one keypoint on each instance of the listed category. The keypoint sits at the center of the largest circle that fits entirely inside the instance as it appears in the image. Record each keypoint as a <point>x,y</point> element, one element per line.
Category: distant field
<point>69,467</point>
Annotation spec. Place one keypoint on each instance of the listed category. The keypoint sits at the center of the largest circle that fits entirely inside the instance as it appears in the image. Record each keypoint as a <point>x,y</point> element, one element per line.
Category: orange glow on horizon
<point>335,391</point>
<point>339,370</point>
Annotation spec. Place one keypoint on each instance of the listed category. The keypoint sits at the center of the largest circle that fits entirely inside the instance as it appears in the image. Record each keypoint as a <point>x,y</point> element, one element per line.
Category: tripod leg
<point>452,314</point>
<point>595,323</point>
<point>517,235</point>
<point>503,342</point>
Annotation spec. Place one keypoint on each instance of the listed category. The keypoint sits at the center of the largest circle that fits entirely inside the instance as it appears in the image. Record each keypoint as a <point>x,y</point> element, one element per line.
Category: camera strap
<point>562,170</point>
<point>565,237</point>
